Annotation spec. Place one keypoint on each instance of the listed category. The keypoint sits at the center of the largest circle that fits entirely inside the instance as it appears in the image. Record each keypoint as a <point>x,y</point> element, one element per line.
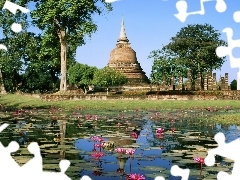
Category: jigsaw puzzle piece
<point>223,176</point>
<point>86,178</point>
<point>182,7</point>
<point>221,6</point>
<point>64,164</point>
<point>228,150</point>
<point>3,126</point>
<point>177,171</point>
<point>34,165</point>
<point>236,16</point>
<point>8,164</point>
<point>159,178</point>
<point>222,51</point>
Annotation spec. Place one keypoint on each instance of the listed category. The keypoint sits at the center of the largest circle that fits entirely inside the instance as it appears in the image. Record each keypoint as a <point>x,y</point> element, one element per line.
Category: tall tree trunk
<point>2,87</point>
<point>63,42</point>
<point>62,126</point>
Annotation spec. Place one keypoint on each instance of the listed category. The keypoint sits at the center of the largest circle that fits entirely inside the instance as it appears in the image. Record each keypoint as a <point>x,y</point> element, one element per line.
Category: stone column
<point>222,83</point>
<point>205,82</point>
<point>189,82</point>
<point>209,81</point>
<point>163,86</point>
<point>198,82</point>
<point>238,80</point>
<point>180,83</point>
<point>214,83</point>
<point>226,81</point>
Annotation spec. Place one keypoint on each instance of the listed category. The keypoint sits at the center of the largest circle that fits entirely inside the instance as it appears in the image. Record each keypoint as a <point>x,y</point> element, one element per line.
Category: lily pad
<point>152,168</point>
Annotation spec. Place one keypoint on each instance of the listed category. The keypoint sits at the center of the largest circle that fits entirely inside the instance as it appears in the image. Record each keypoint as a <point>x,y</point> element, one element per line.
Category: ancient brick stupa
<point>123,58</point>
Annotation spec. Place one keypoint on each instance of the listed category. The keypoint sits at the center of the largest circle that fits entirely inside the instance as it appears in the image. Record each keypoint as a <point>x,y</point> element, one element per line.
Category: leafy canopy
<point>233,85</point>
<point>109,77</point>
<point>193,48</point>
<point>73,16</point>
<point>81,74</point>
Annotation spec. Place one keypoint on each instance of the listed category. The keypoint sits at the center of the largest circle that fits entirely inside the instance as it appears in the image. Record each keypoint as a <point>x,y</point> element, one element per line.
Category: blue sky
<point>149,24</point>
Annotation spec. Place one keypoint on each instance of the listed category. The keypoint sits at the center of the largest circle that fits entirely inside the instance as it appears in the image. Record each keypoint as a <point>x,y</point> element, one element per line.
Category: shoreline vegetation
<point>19,101</point>
<point>108,107</point>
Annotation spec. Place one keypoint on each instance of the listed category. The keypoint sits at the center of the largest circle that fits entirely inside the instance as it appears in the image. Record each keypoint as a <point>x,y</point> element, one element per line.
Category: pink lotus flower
<point>159,135</point>
<point>159,130</point>
<point>173,129</point>
<point>130,151</point>
<point>199,160</point>
<point>118,124</point>
<point>98,145</point>
<point>97,139</point>
<point>135,177</point>
<point>134,135</point>
<point>120,150</point>
<point>88,116</point>
<point>97,155</point>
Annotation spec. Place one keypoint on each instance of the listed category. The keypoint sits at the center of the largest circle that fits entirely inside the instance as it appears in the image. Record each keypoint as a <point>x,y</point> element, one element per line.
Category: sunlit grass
<point>20,101</point>
<point>226,119</point>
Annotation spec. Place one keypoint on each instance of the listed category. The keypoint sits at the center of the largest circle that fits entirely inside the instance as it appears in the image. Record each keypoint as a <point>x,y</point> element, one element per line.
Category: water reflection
<point>62,127</point>
<point>63,138</point>
<point>121,162</point>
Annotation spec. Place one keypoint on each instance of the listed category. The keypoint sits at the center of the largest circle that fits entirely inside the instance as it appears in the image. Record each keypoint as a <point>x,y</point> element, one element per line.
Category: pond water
<point>159,139</point>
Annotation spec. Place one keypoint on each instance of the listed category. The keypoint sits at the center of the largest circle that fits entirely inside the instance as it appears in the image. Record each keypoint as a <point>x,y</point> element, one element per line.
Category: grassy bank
<point>114,106</point>
<point>20,101</point>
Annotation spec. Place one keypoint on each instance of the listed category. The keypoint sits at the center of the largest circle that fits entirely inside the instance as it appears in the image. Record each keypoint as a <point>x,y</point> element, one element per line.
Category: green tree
<point>69,21</point>
<point>193,48</point>
<point>12,60</point>
<point>233,85</point>
<point>165,67</point>
<point>81,75</point>
<point>37,80</point>
<point>107,77</point>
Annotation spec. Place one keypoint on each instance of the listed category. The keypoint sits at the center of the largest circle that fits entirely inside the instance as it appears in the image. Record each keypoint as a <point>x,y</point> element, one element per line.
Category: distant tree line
<point>47,61</point>
<point>40,61</point>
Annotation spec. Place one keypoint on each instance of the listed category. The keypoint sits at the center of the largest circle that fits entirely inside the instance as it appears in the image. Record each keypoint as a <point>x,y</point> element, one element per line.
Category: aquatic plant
<point>134,135</point>
<point>130,151</point>
<point>201,161</point>
<point>135,177</point>
<point>97,155</point>
<point>118,124</point>
<point>120,150</point>
<point>97,139</point>
<point>173,129</point>
<point>159,130</point>
<point>99,145</point>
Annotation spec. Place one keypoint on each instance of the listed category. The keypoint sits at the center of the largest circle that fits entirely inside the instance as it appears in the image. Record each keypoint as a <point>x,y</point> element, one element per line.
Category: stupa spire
<point>123,37</point>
